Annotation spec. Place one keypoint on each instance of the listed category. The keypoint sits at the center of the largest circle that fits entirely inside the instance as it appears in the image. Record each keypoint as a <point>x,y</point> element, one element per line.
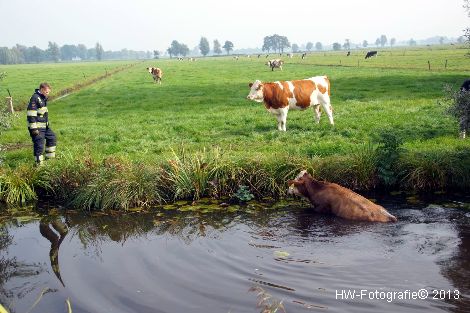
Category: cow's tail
<point>328,83</point>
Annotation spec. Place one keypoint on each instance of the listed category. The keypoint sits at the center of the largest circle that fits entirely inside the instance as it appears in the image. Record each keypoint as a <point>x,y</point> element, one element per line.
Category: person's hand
<point>34,132</point>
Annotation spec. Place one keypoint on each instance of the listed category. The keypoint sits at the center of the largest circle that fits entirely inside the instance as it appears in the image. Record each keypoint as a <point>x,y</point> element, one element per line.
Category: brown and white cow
<point>280,96</point>
<point>275,63</point>
<point>332,198</point>
<point>157,74</point>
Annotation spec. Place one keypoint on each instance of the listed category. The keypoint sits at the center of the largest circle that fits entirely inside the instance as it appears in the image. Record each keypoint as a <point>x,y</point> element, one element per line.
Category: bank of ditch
<point>121,184</point>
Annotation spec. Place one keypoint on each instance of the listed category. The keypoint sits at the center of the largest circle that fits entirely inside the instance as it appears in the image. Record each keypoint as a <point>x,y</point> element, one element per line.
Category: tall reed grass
<point>118,183</point>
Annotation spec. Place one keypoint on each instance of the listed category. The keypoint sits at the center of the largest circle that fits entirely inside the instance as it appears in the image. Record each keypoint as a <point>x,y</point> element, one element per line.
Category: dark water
<point>195,262</point>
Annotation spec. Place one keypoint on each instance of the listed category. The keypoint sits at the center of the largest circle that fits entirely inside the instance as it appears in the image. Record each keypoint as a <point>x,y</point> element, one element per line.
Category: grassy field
<point>201,106</point>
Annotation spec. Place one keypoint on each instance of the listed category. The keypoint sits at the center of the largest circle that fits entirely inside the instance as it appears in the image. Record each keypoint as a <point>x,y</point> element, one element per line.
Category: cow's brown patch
<point>302,91</point>
<point>274,96</point>
<point>321,88</point>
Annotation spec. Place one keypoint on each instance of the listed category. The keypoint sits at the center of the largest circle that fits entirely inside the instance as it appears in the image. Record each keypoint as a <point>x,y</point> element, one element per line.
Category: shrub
<point>458,105</point>
<point>388,154</point>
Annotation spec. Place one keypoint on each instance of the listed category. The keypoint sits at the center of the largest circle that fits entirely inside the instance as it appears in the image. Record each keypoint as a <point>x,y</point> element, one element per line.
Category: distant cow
<point>371,54</point>
<point>191,59</point>
<point>280,96</point>
<point>235,58</point>
<point>349,53</point>
<point>290,55</point>
<point>465,86</point>
<point>332,198</point>
<point>275,63</point>
<point>304,55</point>
<point>157,74</point>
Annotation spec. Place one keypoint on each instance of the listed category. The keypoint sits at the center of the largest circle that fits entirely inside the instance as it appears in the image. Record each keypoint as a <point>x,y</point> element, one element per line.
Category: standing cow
<point>157,74</point>
<point>275,63</point>
<point>280,96</point>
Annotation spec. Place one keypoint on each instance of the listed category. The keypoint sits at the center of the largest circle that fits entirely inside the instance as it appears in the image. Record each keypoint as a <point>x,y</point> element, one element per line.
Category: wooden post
<point>446,65</point>
<point>357,63</point>
<point>339,62</point>
<point>429,65</point>
<point>9,102</point>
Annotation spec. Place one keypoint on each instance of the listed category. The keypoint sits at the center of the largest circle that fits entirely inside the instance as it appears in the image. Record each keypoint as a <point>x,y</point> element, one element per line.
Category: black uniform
<point>38,126</point>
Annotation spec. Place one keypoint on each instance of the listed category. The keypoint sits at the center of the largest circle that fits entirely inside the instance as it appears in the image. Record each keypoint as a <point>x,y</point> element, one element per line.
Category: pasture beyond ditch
<point>216,140</point>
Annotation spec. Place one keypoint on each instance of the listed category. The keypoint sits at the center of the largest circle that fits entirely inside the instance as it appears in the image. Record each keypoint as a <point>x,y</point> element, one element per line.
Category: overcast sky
<point>153,24</point>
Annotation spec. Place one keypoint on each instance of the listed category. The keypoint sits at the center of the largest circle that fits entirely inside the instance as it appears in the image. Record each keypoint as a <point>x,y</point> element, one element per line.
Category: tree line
<point>56,53</point>
<point>180,49</point>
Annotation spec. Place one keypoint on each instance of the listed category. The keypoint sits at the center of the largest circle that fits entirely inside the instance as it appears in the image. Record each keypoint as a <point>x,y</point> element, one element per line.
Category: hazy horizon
<point>151,25</point>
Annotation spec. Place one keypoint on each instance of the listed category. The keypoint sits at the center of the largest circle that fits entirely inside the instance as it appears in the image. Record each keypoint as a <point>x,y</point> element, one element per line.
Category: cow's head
<point>298,186</point>
<point>150,69</point>
<point>256,91</point>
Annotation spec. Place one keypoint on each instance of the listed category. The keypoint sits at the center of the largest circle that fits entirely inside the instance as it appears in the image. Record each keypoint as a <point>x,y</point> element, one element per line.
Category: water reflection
<point>46,229</point>
<point>171,261</point>
<point>18,277</point>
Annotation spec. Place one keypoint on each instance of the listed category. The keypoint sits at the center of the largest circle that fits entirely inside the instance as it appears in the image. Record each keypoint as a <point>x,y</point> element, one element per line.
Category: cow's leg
<point>329,110</point>
<point>282,119</point>
<point>317,113</point>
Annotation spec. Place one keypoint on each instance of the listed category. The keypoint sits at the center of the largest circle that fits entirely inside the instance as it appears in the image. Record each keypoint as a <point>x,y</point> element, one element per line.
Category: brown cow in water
<point>332,198</point>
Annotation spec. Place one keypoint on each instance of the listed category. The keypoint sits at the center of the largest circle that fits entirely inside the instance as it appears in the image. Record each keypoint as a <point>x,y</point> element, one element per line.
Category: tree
<point>441,40</point>
<point>383,40</point>
<point>295,48</point>
<point>82,51</point>
<point>204,46</point>
<point>347,44</point>
<point>156,54</point>
<point>412,42</point>
<point>68,52</point>
<point>336,46</point>
<point>268,43</point>
<point>99,51</point>
<point>53,51</point>
<point>309,46</point>
<point>184,50</point>
<point>365,43</point>
<point>174,49</point>
<point>275,43</point>
<point>318,46</point>
<point>217,48</point>
<point>461,39</point>
<point>377,42</point>
<point>392,42</point>
<point>283,43</point>
<point>36,54</point>
<point>228,46</point>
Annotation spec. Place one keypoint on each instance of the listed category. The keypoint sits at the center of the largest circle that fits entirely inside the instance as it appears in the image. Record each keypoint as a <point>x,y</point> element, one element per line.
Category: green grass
<point>201,105</point>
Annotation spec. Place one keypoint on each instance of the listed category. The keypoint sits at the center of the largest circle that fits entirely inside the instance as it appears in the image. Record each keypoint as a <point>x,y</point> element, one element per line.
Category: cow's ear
<point>250,85</point>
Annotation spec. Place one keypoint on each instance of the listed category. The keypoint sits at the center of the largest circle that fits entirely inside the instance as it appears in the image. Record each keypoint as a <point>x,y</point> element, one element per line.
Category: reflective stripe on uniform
<point>32,113</point>
<point>39,158</point>
<point>37,125</point>
<point>50,155</point>
<point>42,110</point>
<point>50,149</point>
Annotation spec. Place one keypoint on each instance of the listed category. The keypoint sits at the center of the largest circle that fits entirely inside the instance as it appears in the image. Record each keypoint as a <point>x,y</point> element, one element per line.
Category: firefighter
<point>38,124</point>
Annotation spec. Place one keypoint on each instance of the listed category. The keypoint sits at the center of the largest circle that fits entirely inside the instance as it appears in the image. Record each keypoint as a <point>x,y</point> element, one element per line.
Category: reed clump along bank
<point>120,184</point>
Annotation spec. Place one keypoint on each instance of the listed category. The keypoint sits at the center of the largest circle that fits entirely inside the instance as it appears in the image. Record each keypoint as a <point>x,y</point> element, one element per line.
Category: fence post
<point>9,102</point>
<point>429,65</point>
<point>446,65</point>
